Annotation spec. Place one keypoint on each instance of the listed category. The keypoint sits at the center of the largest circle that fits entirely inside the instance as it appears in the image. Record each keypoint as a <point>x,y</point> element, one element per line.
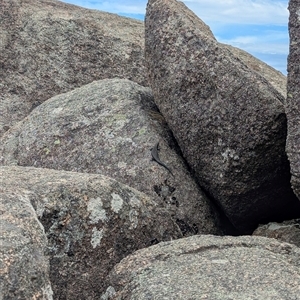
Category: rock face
<point>229,121</point>
<point>109,127</point>
<point>276,78</point>
<point>49,47</point>
<point>24,267</point>
<point>209,267</point>
<point>287,231</point>
<point>91,223</point>
<point>293,96</point>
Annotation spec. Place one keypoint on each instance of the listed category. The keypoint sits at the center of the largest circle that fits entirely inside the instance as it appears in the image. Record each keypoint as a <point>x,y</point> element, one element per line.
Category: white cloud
<point>254,44</point>
<point>241,11</point>
<point>269,43</point>
<point>221,11</point>
<point>113,6</point>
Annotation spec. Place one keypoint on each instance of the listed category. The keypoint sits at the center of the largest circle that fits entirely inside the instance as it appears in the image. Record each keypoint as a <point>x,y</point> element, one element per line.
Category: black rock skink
<point>154,153</point>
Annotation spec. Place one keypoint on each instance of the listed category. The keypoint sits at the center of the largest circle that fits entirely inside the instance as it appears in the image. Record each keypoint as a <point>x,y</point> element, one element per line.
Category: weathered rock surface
<point>287,231</point>
<point>91,223</point>
<point>109,127</point>
<point>209,267</point>
<point>24,267</point>
<point>276,78</point>
<point>49,47</point>
<point>293,96</point>
<point>229,121</point>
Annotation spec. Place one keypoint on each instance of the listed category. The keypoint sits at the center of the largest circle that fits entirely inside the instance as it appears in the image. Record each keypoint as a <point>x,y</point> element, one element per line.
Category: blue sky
<point>258,26</point>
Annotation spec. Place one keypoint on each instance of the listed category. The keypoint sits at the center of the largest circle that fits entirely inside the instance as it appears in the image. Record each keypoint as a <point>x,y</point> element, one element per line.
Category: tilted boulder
<point>109,127</point>
<point>24,265</point>
<point>49,47</point>
<point>91,223</point>
<point>228,120</point>
<point>293,96</point>
<point>209,267</point>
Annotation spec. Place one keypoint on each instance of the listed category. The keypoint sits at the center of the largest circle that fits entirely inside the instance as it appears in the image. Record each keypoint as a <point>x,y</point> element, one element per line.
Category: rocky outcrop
<point>273,76</point>
<point>209,267</point>
<point>287,231</point>
<point>229,121</point>
<point>49,47</point>
<point>24,267</point>
<point>79,191</point>
<point>91,223</point>
<point>293,96</point>
<point>109,127</point>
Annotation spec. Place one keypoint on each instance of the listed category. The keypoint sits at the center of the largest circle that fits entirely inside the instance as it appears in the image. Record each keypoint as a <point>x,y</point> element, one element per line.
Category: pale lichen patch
<point>116,203</point>
<point>133,217</point>
<point>122,165</point>
<point>97,236</point>
<point>47,292</point>
<point>134,201</point>
<point>110,292</point>
<point>97,212</point>
<point>131,171</point>
<point>229,154</point>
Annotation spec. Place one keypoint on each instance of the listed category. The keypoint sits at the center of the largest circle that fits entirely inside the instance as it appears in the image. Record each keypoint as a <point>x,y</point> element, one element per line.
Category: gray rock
<point>209,267</point>
<point>293,96</point>
<point>49,47</point>
<point>229,121</point>
<point>91,223</point>
<point>273,76</point>
<point>109,127</point>
<point>24,267</point>
<point>287,231</point>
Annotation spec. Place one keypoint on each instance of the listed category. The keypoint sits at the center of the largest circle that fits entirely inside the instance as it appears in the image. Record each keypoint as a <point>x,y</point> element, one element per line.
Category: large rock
<point>229,121</point>
<point>109,127</point>
<point>91,223</point>
<point>49,47</point>
<point>24,267</point>
<point>276,78</point>
<point>293,96</point>
<point>209,267</point>
<point>287,231</point>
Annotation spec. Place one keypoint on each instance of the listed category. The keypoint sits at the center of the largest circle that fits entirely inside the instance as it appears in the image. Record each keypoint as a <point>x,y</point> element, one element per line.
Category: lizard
<point>154,153</point>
